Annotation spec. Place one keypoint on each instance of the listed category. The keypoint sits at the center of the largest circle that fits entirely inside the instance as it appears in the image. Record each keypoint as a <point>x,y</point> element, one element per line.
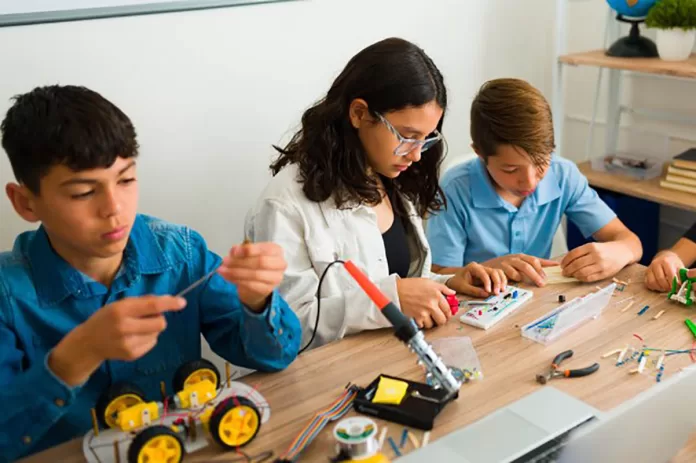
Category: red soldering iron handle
<point>370,289</point>
<point>405,327</point>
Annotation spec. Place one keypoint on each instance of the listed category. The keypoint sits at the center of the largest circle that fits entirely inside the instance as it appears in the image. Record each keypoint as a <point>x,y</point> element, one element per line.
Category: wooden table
<point>645,189</point>
<point>509,363</point>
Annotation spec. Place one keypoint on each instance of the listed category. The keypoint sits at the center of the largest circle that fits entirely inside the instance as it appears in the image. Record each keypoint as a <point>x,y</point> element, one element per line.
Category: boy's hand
<point>518,266</point>
<point>478,281</point>
<point>595,261</point>
<point>424,300</point>
<point>124,330</point>
<point>664,267</point>
<point>256,270</point>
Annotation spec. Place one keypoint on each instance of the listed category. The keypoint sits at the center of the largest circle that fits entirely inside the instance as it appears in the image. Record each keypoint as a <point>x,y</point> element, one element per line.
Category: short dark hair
<point>389,75</point>
<point>64,125</point>
<point>512,112</point>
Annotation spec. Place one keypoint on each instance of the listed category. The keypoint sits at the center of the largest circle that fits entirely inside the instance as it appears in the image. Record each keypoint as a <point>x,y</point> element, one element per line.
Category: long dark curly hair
<point>389,75</point>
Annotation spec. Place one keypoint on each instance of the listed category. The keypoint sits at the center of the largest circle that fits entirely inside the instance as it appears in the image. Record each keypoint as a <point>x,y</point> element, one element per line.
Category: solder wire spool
<point>357,437</point>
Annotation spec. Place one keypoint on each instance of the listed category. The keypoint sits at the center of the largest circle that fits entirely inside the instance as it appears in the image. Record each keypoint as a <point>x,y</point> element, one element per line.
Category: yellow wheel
<point>115,399</point>
<point>194,372</point>
<point>156,444</point>
<point>200,375</point>
<point>235,422</point>
<point>376,458</point>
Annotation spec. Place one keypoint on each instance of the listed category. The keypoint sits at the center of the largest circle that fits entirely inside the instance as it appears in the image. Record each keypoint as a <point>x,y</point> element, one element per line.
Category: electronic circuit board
<point>488,312</point>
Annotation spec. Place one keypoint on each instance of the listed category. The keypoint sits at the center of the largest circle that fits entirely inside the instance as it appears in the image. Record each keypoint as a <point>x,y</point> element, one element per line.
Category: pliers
<point>554,371</point>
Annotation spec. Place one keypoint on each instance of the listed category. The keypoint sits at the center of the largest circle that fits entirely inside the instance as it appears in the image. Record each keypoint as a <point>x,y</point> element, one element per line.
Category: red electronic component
<point>453,303</point>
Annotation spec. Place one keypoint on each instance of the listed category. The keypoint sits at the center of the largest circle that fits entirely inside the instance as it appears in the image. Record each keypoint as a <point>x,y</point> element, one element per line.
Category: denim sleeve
<point>266,341</point>
<point>585,208</point>
<point>33,398</point>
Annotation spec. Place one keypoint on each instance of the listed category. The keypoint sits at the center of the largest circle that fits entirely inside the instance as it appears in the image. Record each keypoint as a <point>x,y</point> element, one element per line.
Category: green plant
<point>668,14</point>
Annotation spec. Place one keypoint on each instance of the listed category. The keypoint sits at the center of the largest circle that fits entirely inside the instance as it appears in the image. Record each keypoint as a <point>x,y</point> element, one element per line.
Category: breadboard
<point>486,313</point>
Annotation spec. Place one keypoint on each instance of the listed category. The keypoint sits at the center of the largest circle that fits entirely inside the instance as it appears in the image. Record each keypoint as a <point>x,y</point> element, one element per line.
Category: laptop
<point>552,426</point>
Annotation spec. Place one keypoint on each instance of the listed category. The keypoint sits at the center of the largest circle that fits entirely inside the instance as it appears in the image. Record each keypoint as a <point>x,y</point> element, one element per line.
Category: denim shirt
<point>42,298</point>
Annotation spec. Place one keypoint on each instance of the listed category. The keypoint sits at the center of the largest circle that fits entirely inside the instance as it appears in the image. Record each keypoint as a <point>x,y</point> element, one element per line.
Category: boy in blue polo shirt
<point>86,299</point>
<point>504,207</point>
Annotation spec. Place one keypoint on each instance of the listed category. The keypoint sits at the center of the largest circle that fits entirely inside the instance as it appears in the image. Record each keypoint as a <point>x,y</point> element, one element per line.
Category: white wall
<point>586,20</point>
<point>210,91</point>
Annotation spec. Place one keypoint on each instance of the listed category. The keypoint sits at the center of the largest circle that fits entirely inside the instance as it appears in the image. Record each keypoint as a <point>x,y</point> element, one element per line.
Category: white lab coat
<point>312,236</point>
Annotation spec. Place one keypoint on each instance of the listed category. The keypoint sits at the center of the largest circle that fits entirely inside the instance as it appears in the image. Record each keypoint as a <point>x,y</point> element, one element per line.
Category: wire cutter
<point>555,372</point>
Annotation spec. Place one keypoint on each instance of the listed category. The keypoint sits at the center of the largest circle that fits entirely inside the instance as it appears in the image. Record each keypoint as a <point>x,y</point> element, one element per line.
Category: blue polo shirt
<point>43,298</point>
<point>478,225</point>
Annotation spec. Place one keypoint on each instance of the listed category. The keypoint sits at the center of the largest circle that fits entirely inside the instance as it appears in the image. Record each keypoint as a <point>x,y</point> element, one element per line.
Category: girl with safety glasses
<point>354,183</point>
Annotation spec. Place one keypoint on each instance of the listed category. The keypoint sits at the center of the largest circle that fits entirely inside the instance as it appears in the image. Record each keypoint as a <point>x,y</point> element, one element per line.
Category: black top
<point>395,238</point>
<point>691,234</point>
<point>396,247</point>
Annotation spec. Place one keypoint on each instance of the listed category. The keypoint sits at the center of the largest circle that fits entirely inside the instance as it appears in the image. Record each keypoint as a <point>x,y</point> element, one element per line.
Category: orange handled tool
<point>407,331</point>
<point>555,371</point>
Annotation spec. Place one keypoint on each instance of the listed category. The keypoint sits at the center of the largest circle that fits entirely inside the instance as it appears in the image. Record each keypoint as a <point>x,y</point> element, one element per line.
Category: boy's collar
<point>483,192</point>
<point>151,259</point>
<point>484,195</point>
<point>55,279</point>
<point>548,188</point>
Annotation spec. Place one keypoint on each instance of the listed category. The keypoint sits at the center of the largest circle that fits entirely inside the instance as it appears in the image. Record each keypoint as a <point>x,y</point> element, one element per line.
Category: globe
<point>631,8</point>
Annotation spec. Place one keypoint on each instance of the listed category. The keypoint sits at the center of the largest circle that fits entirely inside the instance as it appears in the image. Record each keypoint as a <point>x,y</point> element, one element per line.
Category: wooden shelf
<point>645,189</point>
<point>685,69</point>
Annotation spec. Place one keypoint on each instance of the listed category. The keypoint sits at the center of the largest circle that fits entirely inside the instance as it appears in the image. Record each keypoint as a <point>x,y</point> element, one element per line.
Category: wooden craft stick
<point>609,354</point>
<point>659,362</point>
<point>426,438</point>
<point>628,306</point>
<point>621,355</point>
<point>554,276</point>
<point>382,436</point>
<point>659,314</point>
<point>413,440</point>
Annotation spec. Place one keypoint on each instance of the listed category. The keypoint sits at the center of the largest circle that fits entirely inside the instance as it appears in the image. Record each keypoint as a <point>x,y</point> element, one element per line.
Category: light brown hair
<point>512,112</point>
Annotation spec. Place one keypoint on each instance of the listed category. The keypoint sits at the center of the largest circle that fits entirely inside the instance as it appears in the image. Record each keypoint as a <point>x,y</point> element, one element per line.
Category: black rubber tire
<point>186,369</point>
<point>144,436</point>
<point>219,412</point>
<point>114,391</point>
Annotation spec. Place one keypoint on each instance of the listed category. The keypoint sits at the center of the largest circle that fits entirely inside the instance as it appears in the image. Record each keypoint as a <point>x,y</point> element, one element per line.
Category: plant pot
<point>675,44</point>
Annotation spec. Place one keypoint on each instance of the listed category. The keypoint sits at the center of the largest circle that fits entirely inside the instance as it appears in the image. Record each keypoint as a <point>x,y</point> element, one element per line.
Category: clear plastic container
<point>459,352</point>
<point>642,168</point>
<point>639,154</point>
<point>569,316</point>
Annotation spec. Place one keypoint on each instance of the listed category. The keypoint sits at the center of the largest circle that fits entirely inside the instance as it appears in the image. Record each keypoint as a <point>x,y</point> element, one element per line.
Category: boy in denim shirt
<point>85,300</point>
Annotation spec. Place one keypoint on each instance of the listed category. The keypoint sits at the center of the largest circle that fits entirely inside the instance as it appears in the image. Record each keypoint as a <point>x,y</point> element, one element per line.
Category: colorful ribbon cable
<point>331,413</point>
